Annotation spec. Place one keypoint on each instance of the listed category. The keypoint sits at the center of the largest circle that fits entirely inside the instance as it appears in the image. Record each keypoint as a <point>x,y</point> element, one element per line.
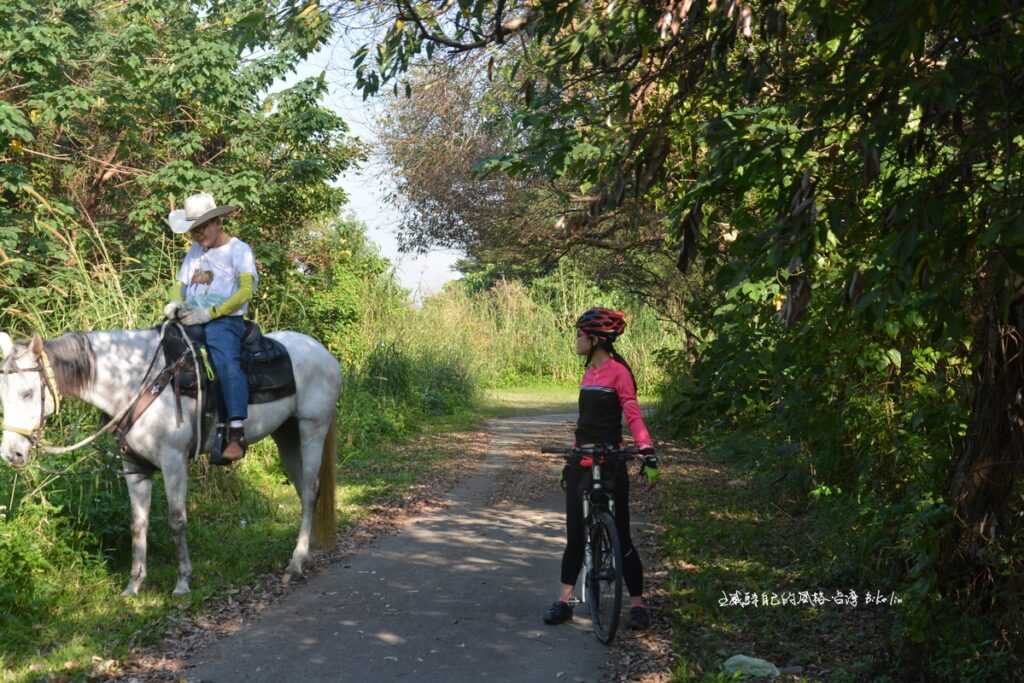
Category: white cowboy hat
<point>199,208</point>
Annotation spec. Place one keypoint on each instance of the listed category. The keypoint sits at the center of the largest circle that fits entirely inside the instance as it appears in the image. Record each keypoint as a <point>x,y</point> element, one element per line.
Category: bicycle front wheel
<point>605,578</point>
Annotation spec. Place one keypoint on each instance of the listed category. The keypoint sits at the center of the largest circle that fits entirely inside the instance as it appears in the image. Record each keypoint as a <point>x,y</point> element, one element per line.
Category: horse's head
<point>27,395</point>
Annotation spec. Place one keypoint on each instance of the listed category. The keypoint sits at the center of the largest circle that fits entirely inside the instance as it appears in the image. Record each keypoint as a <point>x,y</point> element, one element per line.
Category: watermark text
<point>839,598</point>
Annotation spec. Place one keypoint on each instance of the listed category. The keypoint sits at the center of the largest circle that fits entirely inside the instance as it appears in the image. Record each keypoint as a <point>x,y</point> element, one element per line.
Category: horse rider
<point>214,286</point>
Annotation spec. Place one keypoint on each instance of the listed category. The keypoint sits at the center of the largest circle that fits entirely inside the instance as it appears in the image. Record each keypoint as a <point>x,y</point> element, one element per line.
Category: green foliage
<point>27,553</point>
<point>406,366</point>
<point>336,284</point>
<point>730,529</point>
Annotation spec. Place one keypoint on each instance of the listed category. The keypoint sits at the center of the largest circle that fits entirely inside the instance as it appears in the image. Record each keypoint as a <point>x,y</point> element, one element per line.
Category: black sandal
<point>639,618</point>
<point>558,613</point>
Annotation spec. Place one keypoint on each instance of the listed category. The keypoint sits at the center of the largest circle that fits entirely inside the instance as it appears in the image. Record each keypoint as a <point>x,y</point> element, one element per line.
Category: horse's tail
<point>325,517</point>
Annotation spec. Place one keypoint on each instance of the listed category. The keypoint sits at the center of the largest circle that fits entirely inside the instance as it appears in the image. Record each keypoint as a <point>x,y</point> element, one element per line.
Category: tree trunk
<point>992,456</point>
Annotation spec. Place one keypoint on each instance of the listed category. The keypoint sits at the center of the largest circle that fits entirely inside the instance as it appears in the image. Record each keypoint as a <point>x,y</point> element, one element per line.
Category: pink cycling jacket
<point>606,392</point>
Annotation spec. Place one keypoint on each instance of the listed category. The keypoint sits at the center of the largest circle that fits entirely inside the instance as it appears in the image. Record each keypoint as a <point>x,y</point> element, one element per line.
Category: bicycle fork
<point>588,559</point>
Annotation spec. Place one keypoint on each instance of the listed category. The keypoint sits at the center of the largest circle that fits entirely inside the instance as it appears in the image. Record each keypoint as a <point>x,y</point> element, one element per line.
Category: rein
<point>45,370</point>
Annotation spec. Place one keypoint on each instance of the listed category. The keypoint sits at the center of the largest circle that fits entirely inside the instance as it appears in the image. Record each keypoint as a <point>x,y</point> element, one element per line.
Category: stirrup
<point>218,445</point>
<point>236,435</point>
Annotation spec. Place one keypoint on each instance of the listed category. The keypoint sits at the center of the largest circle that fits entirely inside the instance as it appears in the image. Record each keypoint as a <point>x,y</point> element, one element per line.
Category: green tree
<point>112,114</point>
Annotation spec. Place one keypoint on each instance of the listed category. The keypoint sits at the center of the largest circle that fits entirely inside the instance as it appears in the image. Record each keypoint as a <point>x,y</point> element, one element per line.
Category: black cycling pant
<point>577,481</point>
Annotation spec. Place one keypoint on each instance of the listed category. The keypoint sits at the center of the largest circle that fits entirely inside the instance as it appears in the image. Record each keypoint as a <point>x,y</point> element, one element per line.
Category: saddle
<point>265,362</point>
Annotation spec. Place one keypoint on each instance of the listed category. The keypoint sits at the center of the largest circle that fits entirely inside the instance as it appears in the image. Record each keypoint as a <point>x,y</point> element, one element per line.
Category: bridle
<point>48,380</point>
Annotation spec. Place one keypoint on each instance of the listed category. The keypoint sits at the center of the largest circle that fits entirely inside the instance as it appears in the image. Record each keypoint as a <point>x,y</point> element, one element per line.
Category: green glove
<point>649,470</point>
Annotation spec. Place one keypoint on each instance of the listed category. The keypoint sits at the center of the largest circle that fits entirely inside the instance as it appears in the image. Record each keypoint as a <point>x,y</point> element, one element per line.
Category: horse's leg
<point>289,447</point>
<point>175,469</point>
<point>311,434</point>
<point>140,488</point>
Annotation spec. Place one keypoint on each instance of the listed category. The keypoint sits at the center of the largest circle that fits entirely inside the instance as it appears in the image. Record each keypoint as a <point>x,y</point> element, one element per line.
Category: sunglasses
<point>199,230</point>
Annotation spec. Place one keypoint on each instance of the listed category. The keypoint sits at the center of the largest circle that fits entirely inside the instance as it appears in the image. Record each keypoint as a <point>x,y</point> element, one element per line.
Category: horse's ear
<point>36,345</point>
<point>6,345</point>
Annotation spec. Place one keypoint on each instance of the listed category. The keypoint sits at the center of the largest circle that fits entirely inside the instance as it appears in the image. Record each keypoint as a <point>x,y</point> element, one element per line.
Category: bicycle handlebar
<point>627,453</point>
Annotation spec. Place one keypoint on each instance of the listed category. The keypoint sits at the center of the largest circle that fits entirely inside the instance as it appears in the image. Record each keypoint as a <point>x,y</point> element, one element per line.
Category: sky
<point>368,185</point>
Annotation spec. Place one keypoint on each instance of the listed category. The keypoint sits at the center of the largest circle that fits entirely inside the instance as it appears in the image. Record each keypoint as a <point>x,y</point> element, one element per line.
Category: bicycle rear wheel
<point>605,578</point>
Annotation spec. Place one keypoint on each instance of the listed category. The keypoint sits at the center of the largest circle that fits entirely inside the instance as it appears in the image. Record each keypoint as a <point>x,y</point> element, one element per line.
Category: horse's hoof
<point>181,590</point>
<point>294,570</point>
<point>130,592</point>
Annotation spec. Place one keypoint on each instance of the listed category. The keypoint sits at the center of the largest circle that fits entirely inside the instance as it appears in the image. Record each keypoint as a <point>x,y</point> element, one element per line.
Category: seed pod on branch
<point>855,289</point>
<point>872,165</point>
<point>798,298</point>
<point>690,224</point>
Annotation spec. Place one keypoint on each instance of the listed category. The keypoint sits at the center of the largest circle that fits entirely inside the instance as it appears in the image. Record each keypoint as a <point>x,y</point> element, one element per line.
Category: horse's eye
<point>26,395</point>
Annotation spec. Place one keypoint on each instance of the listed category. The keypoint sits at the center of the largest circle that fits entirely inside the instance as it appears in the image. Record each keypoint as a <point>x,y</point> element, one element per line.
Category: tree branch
<point>497,35</point>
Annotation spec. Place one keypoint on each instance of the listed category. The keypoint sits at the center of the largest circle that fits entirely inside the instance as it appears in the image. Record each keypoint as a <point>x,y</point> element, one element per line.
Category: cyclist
<point>607,390</point>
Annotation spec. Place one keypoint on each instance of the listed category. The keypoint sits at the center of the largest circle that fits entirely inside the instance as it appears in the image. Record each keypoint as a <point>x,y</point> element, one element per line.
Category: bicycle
<point>600,582</point>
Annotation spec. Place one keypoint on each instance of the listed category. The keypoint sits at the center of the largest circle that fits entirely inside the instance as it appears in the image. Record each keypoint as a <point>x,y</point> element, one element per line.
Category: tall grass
<point>511,334</point>
<point>407,365</point>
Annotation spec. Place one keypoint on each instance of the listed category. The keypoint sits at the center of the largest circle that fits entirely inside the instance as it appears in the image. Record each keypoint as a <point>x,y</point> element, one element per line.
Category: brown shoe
<point>235,450</point>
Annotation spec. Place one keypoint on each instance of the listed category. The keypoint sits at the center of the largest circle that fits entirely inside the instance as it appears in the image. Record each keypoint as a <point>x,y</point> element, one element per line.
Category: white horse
<point>107,370</point>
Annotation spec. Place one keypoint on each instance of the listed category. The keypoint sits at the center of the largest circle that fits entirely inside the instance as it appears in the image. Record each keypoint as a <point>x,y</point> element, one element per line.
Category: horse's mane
<point>74,362</point>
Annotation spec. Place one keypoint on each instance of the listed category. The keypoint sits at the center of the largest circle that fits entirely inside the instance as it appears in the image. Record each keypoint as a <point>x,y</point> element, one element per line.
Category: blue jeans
<point>224,340</point>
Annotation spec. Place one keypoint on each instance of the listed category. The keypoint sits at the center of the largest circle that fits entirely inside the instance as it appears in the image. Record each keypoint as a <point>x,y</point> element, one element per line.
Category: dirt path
<point>455,595</point>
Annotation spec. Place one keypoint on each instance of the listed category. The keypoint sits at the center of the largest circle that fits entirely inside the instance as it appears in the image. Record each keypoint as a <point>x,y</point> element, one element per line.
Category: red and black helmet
<point>602,322</point>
